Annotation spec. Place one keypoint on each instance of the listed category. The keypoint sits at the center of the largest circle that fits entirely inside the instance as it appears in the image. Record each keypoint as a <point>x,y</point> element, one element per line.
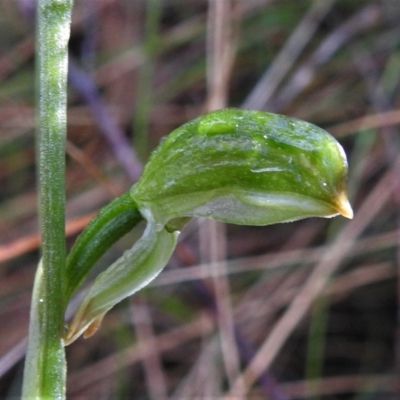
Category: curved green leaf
<point>113,221</point>
<point>134,270</point>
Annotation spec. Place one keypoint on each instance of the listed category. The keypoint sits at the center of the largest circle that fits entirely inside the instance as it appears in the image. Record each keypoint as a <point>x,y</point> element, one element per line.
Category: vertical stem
<point>44,376</point>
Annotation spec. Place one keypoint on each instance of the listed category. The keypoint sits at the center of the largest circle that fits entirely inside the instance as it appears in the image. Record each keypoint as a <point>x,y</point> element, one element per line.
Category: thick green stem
<point>44,376</point>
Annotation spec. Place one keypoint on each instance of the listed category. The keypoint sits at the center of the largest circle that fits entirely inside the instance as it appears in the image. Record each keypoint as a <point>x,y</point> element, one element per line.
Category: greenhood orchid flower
<point>237,166</point>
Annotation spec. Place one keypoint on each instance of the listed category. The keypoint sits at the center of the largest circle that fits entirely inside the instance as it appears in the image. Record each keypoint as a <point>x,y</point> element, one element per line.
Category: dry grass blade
<point>148,346</point>
<point>292,49</point>
<point>380,120</point>
<point>340,385</point>
<point>364,19</point>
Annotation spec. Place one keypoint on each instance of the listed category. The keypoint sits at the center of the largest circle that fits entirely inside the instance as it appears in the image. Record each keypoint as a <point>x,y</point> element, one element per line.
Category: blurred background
<point>307,310</point>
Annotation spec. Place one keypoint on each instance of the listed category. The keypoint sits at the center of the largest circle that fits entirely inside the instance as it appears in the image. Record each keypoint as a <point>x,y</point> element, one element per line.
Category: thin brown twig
<point>31,242</point>
<point>383,119</point>
<point>221,49</point>
<point>361,21</point>
<point>13,355</point>
<point>362,276</point>
<point>148,347</point>
<point>92,169</point>
<point>341,384</point>
<point>291,50</point>
<point>222,31</point>
<point>202,379</point>
<point>20,53</point>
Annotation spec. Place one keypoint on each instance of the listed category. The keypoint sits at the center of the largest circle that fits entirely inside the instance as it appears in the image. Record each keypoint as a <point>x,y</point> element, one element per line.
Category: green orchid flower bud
<point>237,166</point>
<point>245,167</point>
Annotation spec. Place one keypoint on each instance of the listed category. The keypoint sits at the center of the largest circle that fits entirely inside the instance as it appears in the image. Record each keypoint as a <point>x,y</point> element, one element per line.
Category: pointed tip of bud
<point>344,207</point>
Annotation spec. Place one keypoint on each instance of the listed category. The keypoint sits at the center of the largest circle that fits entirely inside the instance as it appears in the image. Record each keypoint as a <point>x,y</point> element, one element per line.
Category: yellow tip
<point>344,206</point>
